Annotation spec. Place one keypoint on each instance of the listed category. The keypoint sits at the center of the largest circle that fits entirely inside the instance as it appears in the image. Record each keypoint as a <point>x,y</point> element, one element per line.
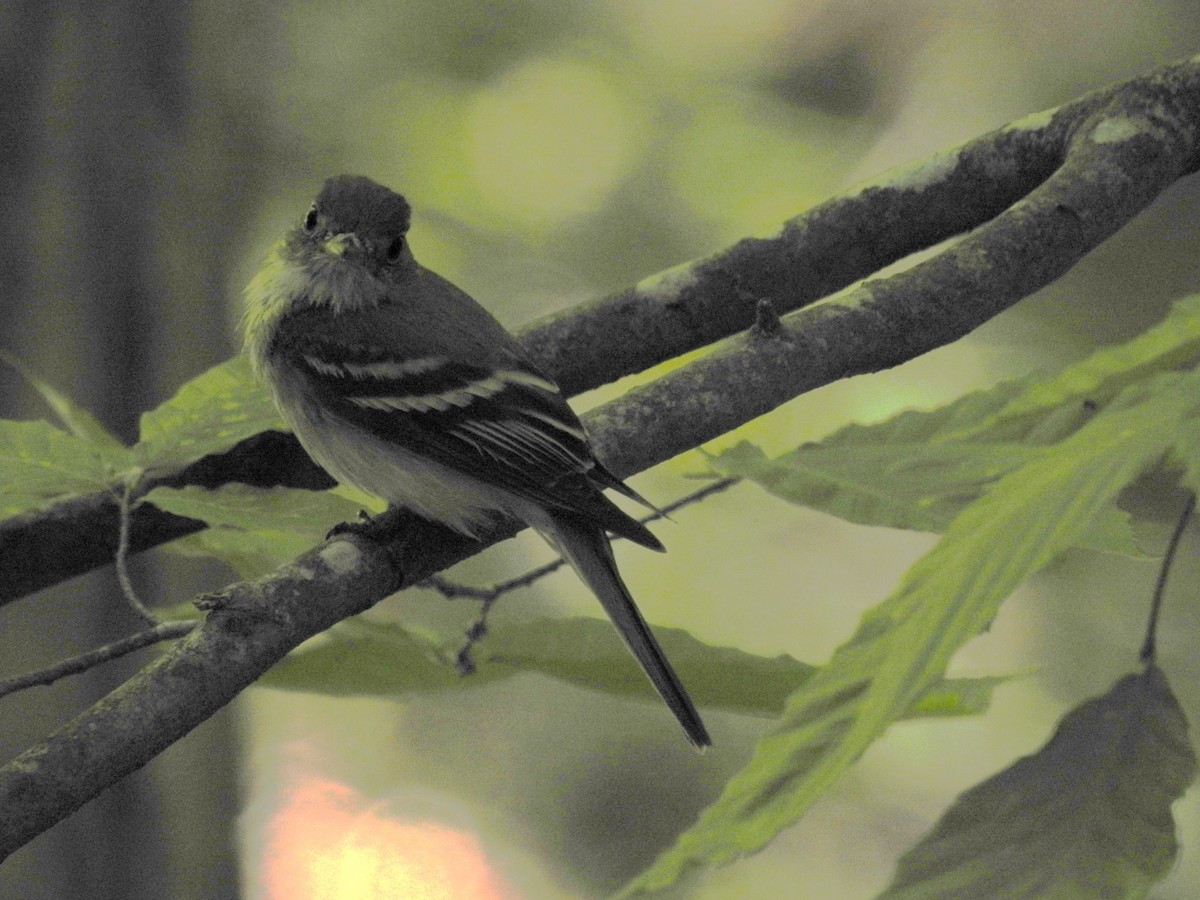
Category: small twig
<point>122,560</point>
<point>163,632</point>
<point>713,487</point>
<point>766,320</point>
<point>488,596</point>
<point>1150,645</point>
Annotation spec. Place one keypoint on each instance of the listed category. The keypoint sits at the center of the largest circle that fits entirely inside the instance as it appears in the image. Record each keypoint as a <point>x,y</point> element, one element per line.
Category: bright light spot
<point>326,844</point>
<point>549,141</point>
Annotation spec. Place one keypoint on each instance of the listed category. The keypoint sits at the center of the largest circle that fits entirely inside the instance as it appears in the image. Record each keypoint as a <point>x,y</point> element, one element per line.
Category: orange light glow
<point>325,843</point>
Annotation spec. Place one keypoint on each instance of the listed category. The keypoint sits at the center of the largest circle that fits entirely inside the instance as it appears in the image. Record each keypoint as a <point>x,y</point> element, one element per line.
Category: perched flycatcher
<point>397,382</point>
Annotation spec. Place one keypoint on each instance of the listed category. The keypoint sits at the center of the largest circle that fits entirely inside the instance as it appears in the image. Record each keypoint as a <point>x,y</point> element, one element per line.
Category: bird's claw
<point>363,527</point>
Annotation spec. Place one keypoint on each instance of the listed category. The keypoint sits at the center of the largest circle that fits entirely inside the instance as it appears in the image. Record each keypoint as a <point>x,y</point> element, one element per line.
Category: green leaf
<point>1186,450</point>
<point>250,554</point>
<point>39,463</point>
<point>903,646</point>
<point>1111,531</point>
<point>1087,816</point>
<point>358,657</point>
<point>588,652</point>
<point>364,658</point>
<point>898,474</point>
<point>208,415</point>
<point>957,697</point>
<point>1172,342</point>
<point>889,474</point>
<point>77,420</point>
<point>919,469</point>
<point>235,505</point>
<point>253,529</point>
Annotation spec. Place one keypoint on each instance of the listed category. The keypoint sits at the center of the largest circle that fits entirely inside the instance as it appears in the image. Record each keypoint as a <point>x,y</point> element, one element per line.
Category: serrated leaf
<point>896,474</point>
<point>903,646</point>
<point>588,652</point>
<point>365,658</point>
<point>208,415</point>
<point>919,469</point>
<point>585,652</point>
<point>253,529</point>
<point>881,474</point>
<point>78,421</point>
<point>1170,343</point>
<point>893,473</point>
<point>1087,817</point>
<point>886,473</point>
<point>1111,531</point>
<point>39,463</point>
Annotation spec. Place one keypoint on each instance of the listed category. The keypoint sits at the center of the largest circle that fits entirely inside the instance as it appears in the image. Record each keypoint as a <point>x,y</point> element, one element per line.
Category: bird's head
<point>347,253</point>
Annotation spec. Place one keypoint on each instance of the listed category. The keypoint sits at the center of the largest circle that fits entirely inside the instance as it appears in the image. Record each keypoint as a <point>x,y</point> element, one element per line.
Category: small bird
<point>398,383</point>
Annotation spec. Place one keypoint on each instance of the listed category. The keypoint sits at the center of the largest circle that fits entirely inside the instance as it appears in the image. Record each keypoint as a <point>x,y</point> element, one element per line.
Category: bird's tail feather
<point>585,546</point>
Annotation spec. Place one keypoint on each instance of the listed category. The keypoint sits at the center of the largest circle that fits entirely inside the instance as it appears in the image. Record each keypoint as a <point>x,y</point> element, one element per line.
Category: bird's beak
<point>338,244</point>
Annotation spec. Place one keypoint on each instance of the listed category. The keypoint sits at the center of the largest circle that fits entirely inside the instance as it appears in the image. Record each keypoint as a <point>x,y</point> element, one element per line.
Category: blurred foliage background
<point>554,151</point>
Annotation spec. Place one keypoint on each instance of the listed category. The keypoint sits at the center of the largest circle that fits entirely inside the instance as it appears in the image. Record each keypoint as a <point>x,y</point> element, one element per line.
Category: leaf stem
<point>1150,645</point>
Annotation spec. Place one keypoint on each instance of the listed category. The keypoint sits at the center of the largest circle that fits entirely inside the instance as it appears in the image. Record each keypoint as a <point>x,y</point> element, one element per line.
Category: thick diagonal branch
<point>813,255</point>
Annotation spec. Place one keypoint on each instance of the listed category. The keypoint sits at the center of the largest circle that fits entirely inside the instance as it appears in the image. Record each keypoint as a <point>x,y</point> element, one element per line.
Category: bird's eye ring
<point>395,248</point>
<point>310,220</point>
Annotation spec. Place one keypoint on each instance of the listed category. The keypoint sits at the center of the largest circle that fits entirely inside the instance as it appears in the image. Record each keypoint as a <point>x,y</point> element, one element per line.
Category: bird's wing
<point>503,423</point>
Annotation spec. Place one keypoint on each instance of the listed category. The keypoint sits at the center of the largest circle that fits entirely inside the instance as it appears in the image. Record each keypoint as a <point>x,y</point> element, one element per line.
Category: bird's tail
<point>585,546</point>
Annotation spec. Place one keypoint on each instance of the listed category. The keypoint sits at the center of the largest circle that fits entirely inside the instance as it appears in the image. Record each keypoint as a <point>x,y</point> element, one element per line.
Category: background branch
<point>164,631</point>
<point>1118,149</point>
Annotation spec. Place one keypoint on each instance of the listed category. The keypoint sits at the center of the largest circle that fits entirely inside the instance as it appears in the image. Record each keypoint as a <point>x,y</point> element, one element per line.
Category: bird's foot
<point>381,528</point>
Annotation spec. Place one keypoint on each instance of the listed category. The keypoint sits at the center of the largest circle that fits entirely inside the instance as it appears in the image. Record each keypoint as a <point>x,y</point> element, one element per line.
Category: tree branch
<point>163,631</point>
<point>1082,172</point>
<point>1076,192</point>
<point>42,547</point>
<point>1117,158</point>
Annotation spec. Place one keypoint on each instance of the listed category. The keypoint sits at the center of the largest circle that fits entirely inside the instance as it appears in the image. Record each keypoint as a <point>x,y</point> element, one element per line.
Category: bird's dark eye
<point>310,220</point>
<point>395,248</point>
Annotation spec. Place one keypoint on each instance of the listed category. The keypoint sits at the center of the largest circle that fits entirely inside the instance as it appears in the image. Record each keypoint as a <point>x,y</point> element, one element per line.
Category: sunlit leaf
<point>1087,817</point>
<point>253,529</point>
<point>251,554</point>
<point>957,697</point>
<point>881,475</point>
<point>242,506</point>
<point>1186,450</point>
<point>1172,342</point>
<point>903,646</point>
<point>39,463</point>
<point>919,469</point>
<point>208,415</point>
<point>901,474</point>
<point>78,421</point>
